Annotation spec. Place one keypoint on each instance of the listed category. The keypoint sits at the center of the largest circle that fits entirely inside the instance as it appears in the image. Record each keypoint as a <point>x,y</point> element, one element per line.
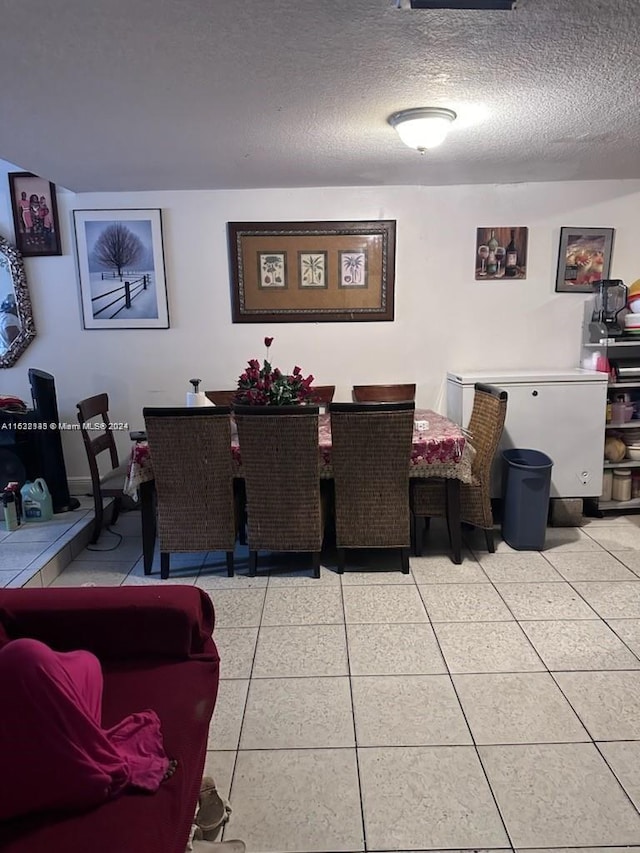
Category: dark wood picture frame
<point>35,215</point>
<point>584,256</point>
<point>312,272</point>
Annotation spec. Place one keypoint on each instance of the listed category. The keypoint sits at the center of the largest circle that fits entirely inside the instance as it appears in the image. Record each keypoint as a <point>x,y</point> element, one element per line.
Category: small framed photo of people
<point>35,215</point>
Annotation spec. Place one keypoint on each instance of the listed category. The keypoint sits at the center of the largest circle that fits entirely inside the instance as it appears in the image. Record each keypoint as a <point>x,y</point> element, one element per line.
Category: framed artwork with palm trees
<point>295,272</point>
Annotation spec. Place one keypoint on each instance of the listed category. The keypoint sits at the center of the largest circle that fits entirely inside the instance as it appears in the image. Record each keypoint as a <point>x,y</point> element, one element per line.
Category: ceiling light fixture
<point>472,5</point>
<point>423,127</point>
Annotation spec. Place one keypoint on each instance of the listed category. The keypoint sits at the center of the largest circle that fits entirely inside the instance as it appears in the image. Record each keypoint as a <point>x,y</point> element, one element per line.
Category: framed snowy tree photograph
<point>121,269</point>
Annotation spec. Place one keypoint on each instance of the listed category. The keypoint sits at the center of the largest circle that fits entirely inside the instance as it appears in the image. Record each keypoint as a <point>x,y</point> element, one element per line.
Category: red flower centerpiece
<point>269,386</point>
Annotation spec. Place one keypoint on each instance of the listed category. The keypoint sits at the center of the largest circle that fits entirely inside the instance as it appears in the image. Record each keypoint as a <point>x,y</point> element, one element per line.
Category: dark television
<point>51,465</point>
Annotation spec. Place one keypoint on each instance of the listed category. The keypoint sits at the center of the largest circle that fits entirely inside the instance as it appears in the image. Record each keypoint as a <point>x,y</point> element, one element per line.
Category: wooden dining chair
<point>370,458</point>
<point>94,411</point>
<point>192,466</point>
<point>322,395</point>
<point>221,398</point>
<point>428,496</point>
<point>281,470</point>
<point>384,393</point>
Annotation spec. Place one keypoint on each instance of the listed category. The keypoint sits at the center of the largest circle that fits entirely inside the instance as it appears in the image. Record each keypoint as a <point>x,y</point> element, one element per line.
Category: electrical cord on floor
<point>113,548</point>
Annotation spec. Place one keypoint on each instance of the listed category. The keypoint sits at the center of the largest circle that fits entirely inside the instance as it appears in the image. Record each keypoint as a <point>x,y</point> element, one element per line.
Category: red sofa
<point>157,652</point>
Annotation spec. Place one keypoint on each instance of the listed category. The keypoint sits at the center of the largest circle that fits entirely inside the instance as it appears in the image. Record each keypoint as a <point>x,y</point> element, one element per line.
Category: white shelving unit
<point>627,352</point>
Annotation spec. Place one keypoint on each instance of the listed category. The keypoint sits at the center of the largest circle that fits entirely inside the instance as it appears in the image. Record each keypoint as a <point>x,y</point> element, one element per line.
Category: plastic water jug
<point>36,501</point>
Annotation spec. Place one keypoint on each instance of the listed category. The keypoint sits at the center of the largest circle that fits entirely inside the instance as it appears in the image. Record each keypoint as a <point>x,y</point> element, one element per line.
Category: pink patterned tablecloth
<point>439,450</point>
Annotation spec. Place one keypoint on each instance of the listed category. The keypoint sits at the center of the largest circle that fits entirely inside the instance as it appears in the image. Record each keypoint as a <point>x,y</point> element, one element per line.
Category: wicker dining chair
<point>281,470</point>
<point>428,497</point>
<point>384,393</point>
<point>221,398</point>
<point>370,458</point>
<point>95,410</point>
<point>322,395</point>
<point>192,466</point>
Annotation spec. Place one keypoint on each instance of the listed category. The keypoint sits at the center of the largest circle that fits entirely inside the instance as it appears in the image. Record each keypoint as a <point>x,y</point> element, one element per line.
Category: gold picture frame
<point>312,272</point>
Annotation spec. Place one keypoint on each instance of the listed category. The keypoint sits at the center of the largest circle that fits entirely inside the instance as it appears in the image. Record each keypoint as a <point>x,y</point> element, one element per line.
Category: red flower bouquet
<point>269,386</point>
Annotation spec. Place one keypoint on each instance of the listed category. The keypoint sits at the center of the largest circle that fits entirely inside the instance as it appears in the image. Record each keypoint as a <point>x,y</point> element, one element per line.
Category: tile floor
<point>491,705</point>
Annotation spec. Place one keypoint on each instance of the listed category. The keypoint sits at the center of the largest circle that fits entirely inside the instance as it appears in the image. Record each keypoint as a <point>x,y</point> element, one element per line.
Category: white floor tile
<point>407,710</point>
<point>426,798</point>
<point>519,567</point>
<point>579,645</point>
<point>606,702</point>
<point>366,604</point>
<point>618,537</point>
<point>590,566</point>
<point>486,647</point>
<point>623,757</point>
<point>298,713</point>
<point>301,650</point>
<point>517,708</point>
<point>236,647</point>
<point>224,731</point>
<point>559,795</point>
<point>442,570</point>
<point>397,649</point>
<point>612,599</point>
<point>544,601</point>
<point>297,801</point>
<point>238,608</point>
<point>303,605</point>
<point>464,603</point>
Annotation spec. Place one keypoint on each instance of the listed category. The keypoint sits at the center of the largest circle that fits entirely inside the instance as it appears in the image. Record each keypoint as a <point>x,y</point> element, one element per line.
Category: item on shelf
<point>628,372</point>
<point>607,484</point>
<point>635,484</point>
<point>614,449</point>
<point>609,301</point>
<point>632,321</point>
<point>633,452</point>
<point>621,412</point>
<point>621,487</point>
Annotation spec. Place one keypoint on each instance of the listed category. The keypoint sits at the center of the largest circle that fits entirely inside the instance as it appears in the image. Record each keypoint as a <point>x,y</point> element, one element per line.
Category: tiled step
<point>36,553</point>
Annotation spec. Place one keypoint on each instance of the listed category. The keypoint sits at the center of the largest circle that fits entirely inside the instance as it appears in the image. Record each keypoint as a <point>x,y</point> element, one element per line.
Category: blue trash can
<point>525,493</point>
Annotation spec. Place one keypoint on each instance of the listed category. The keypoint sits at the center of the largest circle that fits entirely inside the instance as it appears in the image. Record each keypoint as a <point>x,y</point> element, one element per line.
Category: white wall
<point>444,318</point>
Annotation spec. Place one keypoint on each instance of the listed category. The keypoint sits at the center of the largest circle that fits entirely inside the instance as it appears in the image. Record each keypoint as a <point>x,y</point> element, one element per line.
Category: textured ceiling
<point>203,94</point>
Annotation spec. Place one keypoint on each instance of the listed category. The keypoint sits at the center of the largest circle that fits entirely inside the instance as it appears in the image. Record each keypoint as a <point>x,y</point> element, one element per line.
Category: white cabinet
<point>558,412</point>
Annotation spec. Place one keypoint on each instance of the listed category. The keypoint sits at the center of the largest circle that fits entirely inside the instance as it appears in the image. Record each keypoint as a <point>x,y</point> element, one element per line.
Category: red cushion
<point>115,623</point>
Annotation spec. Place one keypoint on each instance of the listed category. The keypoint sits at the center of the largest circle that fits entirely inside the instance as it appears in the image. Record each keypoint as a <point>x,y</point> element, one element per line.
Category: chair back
<point>97,435</point>
<point>384,393</point>
<point>193,470</point>
<point>485,427</point>
<point>370,457</point>
<point>281,470</point>
<point>221,398</point>
<point>322,394</point>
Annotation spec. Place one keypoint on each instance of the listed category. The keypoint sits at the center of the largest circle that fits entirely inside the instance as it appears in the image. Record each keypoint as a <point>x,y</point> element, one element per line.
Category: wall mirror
<point>17,329</point>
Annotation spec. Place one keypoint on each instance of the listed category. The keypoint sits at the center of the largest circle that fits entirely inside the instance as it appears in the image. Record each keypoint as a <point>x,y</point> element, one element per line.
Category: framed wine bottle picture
<point>501,253</point>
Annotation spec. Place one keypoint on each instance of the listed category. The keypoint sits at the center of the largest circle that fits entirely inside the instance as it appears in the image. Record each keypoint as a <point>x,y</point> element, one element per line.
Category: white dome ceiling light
<point>423,127</point>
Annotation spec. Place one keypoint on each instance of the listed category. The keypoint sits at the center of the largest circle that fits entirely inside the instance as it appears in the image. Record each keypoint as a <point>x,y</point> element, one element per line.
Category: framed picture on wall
<point>296,272</point>
<point>501,253</point>
<point>584,256</point>
<point>35,215</point>
<point>121,269</point>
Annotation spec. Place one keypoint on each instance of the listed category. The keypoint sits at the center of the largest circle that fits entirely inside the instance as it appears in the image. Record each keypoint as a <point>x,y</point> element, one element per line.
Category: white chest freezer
<point>559,412</point>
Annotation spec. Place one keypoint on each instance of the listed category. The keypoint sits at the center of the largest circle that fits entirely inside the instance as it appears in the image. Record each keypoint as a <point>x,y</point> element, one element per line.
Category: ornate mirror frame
<point>27,333</point>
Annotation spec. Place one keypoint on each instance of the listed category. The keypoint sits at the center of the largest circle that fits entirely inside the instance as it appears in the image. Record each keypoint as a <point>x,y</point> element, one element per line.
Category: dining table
<point>440,448</point>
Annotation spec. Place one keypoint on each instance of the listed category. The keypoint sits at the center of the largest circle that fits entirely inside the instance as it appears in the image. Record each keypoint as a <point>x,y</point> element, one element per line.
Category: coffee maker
<point>610,298</point>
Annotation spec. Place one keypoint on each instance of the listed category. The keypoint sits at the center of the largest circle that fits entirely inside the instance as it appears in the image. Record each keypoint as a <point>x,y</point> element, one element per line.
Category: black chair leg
<point>99,515</point>
<point>115,510</point>
<point>230,564</point>
<point>315,557</point>
<point>341,560</point>
<point>404,557</point>
<point>488,535</point>
<point>165,558</point>
<point>253,563</point>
